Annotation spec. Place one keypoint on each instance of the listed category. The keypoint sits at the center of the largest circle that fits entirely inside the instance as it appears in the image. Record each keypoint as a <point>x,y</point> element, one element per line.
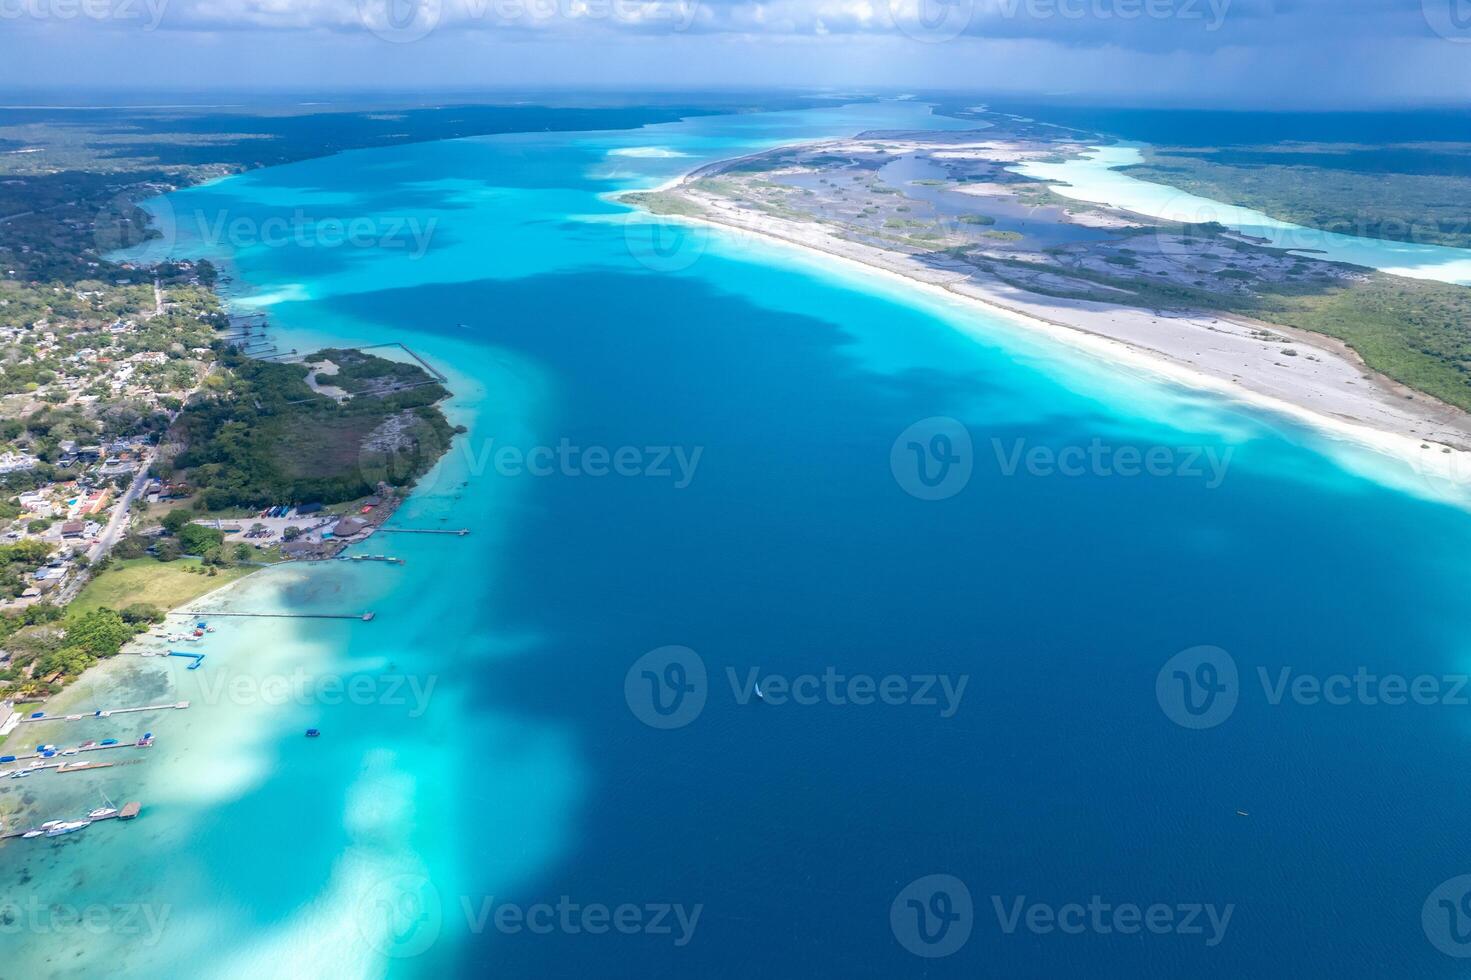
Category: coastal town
<point>735,491</point>
<point>124,490</point>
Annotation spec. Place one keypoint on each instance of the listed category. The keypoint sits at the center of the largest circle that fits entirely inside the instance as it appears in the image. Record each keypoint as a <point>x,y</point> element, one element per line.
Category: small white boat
<point>67,827</point>
<point>33,833</point>
<point>107,809</point>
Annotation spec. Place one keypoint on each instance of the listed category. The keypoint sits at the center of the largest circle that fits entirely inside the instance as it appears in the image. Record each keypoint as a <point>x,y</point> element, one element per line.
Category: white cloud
<point>1290,54</point>
<point>1157,25</point>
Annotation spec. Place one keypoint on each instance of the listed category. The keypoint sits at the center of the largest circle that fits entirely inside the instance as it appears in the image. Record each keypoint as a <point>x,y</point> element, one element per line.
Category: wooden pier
<point>69,765</point>
<point>128,812</point>
<point>83,748</point>
<point>429,369</point>
<point>82,766</point>
<point>366,617</point>
<point>459,531</point>
<point>105,712</point>
<point>61,766</point>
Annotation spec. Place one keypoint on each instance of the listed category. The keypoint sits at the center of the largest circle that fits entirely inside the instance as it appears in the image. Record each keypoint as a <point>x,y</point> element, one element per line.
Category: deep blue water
<point>1401,141</point>
<point>1228,128</point>
<point>795,549</point>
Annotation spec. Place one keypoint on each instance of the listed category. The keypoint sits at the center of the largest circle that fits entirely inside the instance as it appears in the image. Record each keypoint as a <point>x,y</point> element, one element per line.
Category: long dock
<point>432,371</point>
<point>104,712</point>
<point>62,765</point>
<point>82,748</point>
<point>460,531</point>
<point>128,812</point>
<point>366,617</point>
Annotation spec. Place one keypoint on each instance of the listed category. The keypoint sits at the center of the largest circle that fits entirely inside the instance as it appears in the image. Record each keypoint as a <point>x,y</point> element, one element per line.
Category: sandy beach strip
<point>1324,385</point>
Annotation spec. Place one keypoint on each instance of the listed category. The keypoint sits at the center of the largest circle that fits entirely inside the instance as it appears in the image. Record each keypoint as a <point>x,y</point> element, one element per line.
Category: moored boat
<point>107,809</point>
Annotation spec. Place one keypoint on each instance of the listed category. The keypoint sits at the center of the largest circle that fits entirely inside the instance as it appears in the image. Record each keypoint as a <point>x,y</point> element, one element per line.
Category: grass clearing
<point>166,585</point>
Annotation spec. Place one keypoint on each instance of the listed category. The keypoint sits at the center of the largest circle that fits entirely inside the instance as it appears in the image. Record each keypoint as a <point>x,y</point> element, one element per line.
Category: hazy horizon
<point>1210,53</point>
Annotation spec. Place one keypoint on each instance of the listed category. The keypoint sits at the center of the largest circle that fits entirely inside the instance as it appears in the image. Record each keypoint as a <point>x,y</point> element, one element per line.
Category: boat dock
<point>366,617</point>
<point>104,712</point>
<point>62,766</point>
<point>66,765</point>
<point>128,812</point>
<point>429,369</point>
<point>198,658</point>
<point>387,558</point>
<point>80,748</point>
<point>82,766</point>
<point>459,531</point>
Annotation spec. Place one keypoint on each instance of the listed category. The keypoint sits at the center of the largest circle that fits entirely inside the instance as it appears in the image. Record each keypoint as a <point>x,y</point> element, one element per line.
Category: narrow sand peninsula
<point>1326,384</point>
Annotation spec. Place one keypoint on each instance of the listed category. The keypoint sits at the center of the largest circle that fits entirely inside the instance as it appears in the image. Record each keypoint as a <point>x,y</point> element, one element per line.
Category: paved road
<point>114,528</point>
<point>109,535</point>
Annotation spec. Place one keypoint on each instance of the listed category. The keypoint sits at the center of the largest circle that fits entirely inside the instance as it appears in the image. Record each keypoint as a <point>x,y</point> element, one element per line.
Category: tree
<point>168,549</point>
<point>28,552</point>
<point>69,661</point>
<point>131,546</point>
<point>196,539</point>
<point>100,632</point>
<point>41,612</point>
<point>175,521</point>
<point>141,612</point>
<point>219,555</point>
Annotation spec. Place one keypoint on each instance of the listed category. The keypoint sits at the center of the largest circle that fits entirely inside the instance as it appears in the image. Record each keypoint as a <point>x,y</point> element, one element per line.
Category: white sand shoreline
<point>1361,410</point>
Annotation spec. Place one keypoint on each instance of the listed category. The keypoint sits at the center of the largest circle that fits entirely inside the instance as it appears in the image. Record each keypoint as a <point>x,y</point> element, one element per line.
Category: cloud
<point>1147,25</point>
<point>1269,53</point>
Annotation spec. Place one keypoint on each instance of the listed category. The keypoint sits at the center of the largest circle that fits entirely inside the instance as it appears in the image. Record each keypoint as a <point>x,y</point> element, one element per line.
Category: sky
<point>1257,53</point>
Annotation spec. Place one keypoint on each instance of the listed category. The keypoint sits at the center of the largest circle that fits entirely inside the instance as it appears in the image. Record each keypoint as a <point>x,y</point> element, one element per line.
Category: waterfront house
<point>349,527</point>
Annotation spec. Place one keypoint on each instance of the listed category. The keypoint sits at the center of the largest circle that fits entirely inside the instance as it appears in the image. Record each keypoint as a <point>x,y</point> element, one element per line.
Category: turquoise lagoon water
<point>1095,177</point>
<point>516,772</point>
